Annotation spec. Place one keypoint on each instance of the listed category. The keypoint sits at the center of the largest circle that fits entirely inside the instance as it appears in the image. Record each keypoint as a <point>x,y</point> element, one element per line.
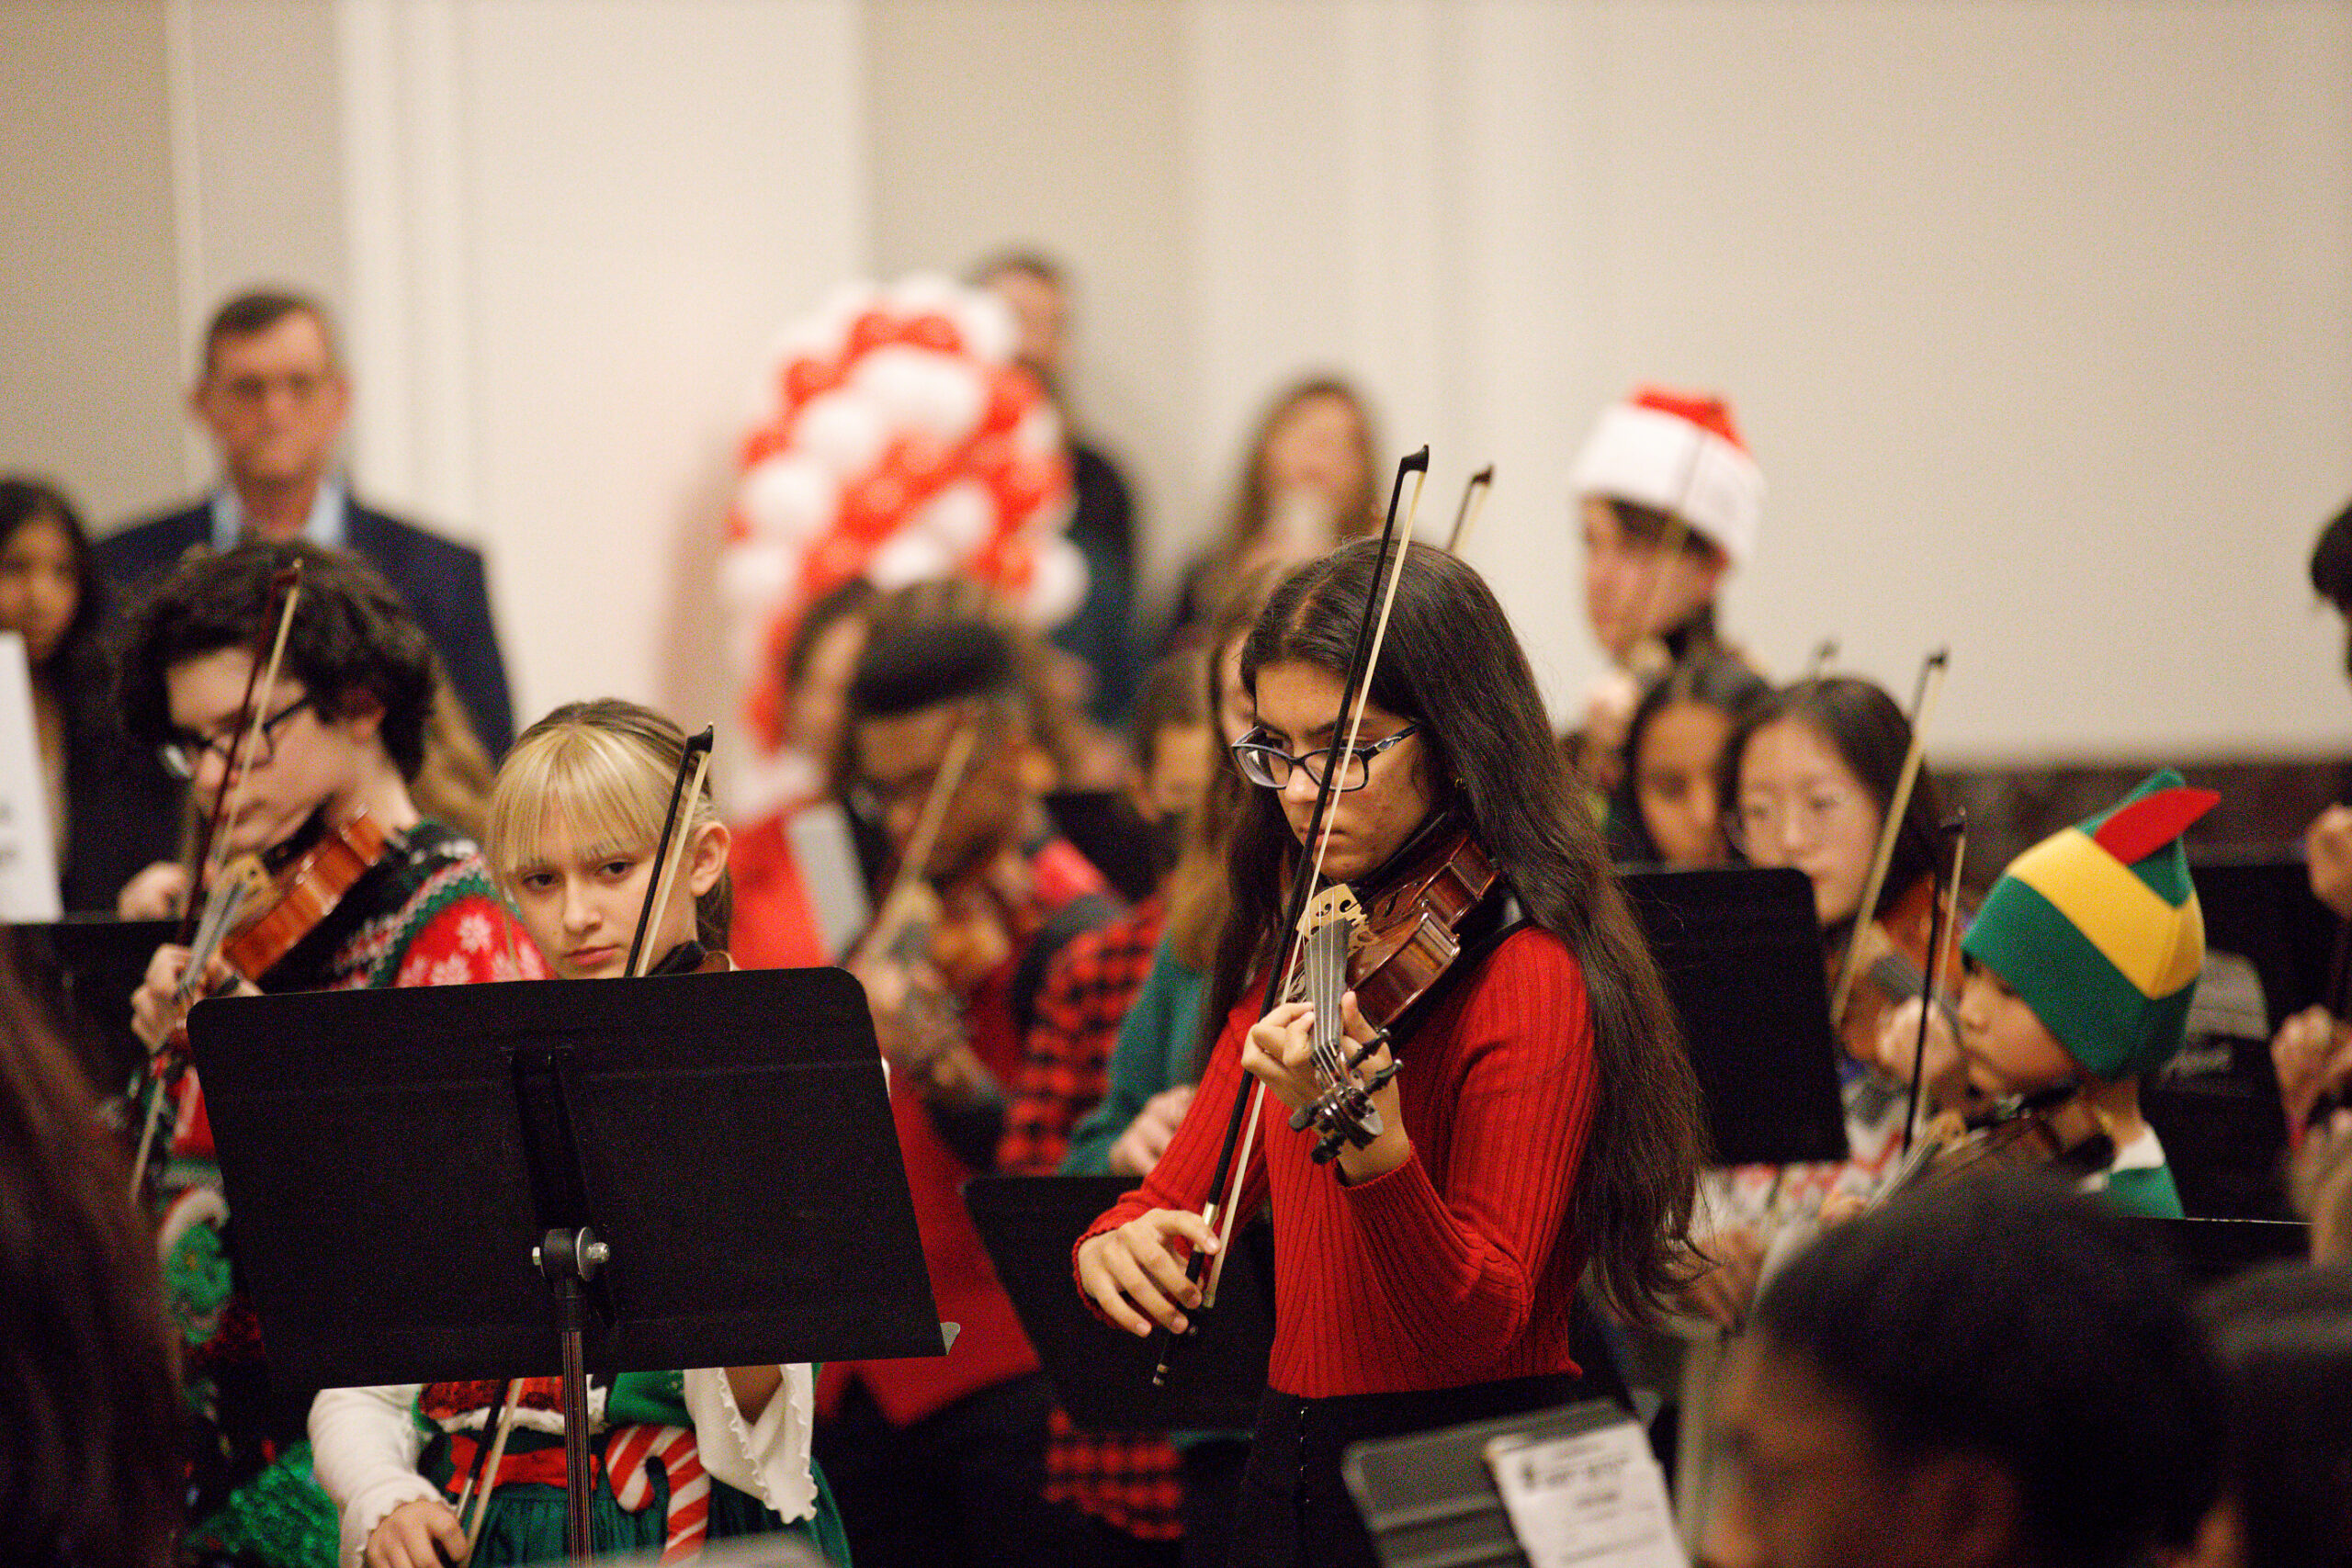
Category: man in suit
<point>273,397</point>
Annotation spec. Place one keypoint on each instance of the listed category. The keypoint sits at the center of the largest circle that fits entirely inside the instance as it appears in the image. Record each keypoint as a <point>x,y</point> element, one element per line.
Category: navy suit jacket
<point>441,579</point>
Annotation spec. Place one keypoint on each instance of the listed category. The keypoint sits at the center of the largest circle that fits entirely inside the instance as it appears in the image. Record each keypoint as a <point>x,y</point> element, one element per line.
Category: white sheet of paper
<point>1595,1500</point>
<point>28,859</point>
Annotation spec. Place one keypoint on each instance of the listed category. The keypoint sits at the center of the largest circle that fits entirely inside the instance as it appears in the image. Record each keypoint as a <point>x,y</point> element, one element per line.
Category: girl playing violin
<point>1543,1124</point>
<point>574,817</point>
<point>1809,776</point>
<point>340,739</point>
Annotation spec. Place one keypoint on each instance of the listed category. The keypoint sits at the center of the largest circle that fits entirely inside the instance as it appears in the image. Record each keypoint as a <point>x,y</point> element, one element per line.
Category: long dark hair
<point>24,502</point>
<point>88,1376</point>
<point>1716,679</point>
<point>1869,732</point>
<point>1453,666</point>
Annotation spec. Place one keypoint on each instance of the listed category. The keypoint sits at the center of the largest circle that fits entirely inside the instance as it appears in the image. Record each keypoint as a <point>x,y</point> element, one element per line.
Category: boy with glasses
<point>943,1459</point>
<point>342,736</point>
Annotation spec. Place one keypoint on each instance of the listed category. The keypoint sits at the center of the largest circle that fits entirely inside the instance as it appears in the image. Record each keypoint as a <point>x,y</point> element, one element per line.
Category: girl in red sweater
<point>1545,1123</point>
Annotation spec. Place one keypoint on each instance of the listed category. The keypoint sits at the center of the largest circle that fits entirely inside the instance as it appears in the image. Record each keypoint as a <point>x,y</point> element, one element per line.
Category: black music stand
<point>1101,1375</point>
<point>2260,905</point>
<point>1740,951</point>
<point>86,967</point>
<point>491,1181</point>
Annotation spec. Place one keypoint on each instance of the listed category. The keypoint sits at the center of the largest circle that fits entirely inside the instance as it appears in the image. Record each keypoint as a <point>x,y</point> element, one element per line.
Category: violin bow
<point>693,763</point>
<point>204,923</point>
<point>1250,1097</point>
<point>953,764</point>
<point>1931,674</point>
<point>1465,516</point>
<point>1943,921</point>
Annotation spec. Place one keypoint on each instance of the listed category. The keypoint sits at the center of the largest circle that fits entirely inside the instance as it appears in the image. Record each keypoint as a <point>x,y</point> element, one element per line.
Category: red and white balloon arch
<point>899,442</point>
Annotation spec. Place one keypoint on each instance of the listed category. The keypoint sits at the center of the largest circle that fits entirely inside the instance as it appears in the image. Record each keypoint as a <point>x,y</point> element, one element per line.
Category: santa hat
<point>2097,928</point>
<point>1677,452</point>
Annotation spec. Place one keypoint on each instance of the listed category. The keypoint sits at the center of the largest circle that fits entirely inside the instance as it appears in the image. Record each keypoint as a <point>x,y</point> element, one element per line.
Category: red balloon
<point>805,378</point>
<point>875,505</point>
<point>1024,485</point>
<point>933,331</point>
<point>1010,396</point>
<point>766,442</point>
<point>871,329</point>
<point>990,456</point>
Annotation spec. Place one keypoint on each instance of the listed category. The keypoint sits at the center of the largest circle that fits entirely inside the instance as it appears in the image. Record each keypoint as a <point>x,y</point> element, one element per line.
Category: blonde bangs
<point>607,793</point>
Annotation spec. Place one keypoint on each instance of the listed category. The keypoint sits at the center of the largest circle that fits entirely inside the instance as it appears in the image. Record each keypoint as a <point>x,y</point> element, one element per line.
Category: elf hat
<point>2099,930</point>
<point>1677,452</point>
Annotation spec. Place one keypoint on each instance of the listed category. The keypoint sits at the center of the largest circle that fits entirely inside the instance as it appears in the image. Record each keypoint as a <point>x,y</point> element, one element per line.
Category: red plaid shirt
<point>1129,1480</point>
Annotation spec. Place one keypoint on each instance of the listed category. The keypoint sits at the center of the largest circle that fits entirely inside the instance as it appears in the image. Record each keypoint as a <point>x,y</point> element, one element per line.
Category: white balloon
<point>920,293</point>
<point>755,575</point>
<point>961,517</point>
<point>908,556</point>
<point>791,497</point>
<point>920,391</point>
<point>986,323</point>
<point>1056,585</point>
<point>842,430</point>
<point>1039,432</point>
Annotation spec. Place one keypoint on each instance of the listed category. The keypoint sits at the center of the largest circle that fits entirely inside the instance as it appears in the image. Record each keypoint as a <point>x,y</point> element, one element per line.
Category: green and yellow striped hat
<point>2097,928</point>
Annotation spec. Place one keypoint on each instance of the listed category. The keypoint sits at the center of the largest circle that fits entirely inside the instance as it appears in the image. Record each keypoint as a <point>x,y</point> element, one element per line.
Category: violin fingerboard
<point>1327,977</point>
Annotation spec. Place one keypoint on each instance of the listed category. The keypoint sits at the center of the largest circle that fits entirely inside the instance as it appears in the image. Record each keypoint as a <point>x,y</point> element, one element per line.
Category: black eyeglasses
<point>184,753</point>
<point>1264,765</point>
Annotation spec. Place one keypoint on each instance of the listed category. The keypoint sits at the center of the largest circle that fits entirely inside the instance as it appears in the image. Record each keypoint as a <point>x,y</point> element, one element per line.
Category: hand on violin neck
<point>1280,1051</point>
<point>1944,1084</point>
<point>156,1008</point>
<point>916,1026</point>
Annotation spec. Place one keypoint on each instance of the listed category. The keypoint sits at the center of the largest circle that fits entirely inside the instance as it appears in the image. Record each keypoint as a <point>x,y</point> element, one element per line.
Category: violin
<point>2024,1132</point>
<point>1391,952</point>
<point>943,936</point>
<point>280,898</point>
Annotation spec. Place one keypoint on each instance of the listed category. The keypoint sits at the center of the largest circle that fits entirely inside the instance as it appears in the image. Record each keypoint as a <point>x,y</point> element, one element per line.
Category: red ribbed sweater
<point>1455,1267</point>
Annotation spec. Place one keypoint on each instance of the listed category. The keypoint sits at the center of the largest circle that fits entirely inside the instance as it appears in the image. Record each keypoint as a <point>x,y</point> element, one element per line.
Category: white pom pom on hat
<point>1678,453</point>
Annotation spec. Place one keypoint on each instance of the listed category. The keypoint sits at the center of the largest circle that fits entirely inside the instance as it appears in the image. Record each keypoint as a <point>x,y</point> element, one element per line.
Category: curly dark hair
<point>353,634</point>
<point>1453,665</point>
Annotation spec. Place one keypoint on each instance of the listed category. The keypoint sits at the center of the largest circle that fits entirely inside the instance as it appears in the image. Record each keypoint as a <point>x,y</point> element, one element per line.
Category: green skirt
<point>525,1521</point>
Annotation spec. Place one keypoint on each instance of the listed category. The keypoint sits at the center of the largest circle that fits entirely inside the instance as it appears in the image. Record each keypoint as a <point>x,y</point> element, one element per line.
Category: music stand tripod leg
<point>567,1260</point>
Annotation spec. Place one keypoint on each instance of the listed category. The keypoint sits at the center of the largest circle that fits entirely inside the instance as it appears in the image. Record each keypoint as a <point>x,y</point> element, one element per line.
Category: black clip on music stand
<point>473,1183</point>
<point>1739,949</point>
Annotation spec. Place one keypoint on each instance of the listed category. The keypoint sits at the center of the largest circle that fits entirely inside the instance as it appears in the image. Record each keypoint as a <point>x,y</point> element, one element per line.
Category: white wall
<point>604,212</point>
<point>1039,124</point>
<point>2039,316</point>
<point>88,327</point>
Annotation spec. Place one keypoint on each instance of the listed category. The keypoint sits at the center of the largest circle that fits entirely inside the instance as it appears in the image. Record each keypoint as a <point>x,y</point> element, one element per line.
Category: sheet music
<point>1594,1500</point>
<point>28,859</point>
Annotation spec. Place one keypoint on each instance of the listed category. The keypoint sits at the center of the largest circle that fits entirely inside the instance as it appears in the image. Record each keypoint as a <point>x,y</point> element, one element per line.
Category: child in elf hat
<point>2080,962</point>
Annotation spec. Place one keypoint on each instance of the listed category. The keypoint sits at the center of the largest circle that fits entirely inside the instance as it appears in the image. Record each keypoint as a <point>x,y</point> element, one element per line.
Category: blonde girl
<point>574,818</point>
